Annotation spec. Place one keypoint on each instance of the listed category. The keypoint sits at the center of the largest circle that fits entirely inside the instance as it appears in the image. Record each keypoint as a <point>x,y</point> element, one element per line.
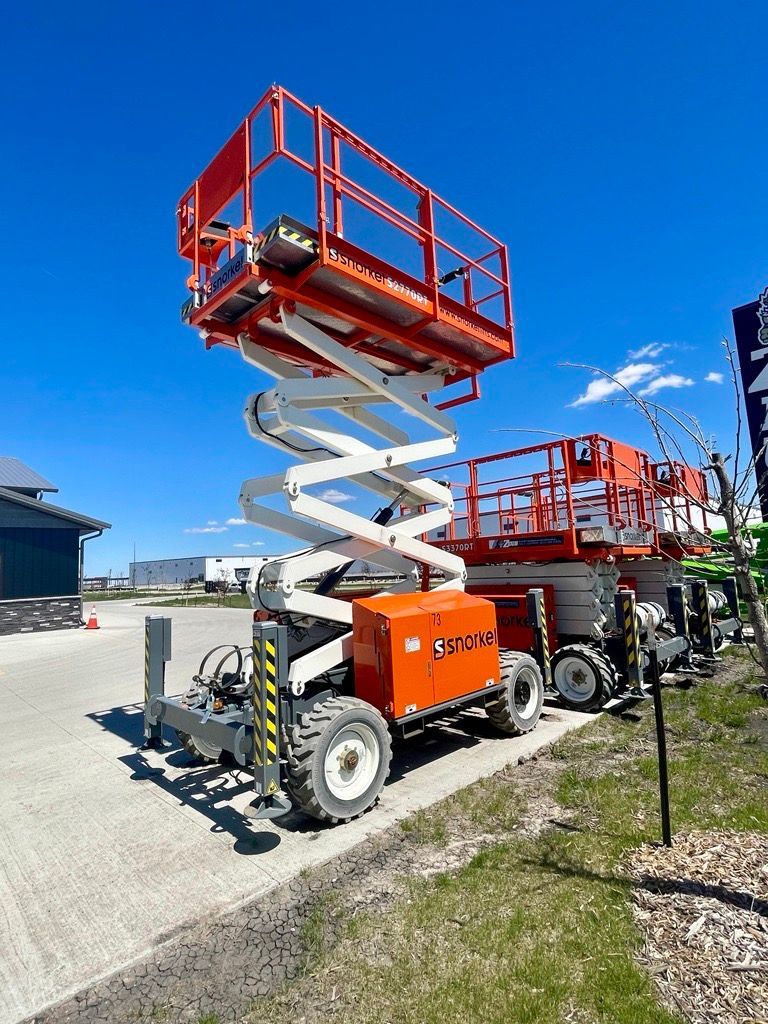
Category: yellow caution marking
<point>630,632</point>
<point>544,632</point>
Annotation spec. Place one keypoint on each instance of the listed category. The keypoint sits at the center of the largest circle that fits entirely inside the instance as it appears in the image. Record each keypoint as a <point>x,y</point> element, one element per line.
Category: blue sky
<point>619,149</point>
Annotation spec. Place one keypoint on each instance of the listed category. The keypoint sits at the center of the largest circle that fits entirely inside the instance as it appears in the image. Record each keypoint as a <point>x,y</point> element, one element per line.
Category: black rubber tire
<point>717,636</point>
<point>604,673</point>
<point>308,745</point>
<point>523,678</point>
<point>191,747</point>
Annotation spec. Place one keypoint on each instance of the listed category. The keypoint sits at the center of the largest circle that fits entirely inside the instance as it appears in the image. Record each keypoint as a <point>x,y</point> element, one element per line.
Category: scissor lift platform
<point>450,311</point>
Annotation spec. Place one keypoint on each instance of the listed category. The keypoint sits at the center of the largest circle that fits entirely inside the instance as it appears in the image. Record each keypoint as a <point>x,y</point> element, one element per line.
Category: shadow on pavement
<point>127,722</point>
<point>210,789</point>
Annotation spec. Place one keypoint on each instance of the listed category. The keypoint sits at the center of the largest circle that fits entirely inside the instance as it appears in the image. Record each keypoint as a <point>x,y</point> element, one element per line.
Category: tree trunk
<point>740,552</point>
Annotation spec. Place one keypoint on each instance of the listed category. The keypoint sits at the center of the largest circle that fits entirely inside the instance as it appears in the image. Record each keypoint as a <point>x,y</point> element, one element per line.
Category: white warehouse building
<point>200,569</point>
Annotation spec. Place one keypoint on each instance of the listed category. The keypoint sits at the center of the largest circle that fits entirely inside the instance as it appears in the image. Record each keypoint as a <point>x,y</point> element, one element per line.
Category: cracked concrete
<point>123,876</point>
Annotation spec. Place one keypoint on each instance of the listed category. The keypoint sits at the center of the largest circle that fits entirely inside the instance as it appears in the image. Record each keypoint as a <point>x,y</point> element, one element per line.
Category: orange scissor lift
<point>374,305</point>
<point>591,521</point>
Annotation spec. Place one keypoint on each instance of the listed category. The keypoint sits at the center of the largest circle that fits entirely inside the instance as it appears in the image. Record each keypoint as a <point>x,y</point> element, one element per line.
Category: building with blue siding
<point>41,553</point>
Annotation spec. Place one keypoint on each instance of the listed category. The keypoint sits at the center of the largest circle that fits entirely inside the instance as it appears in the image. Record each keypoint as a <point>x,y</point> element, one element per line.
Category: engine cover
<point>415,651</point>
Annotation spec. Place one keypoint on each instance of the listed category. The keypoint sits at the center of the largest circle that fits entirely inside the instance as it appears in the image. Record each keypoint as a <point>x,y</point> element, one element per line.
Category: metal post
<point>270,669</point>
<point>678,610</point>
<point>661,740</point>
<point>626,620</point>
<point>157,651</point>
<point>700,596</point>
<point>537,616</point>
<point>731,592</point>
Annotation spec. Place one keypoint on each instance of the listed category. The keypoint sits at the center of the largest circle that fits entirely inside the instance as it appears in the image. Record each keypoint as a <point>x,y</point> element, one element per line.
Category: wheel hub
<point>575,678</point>
<point>350,759</point>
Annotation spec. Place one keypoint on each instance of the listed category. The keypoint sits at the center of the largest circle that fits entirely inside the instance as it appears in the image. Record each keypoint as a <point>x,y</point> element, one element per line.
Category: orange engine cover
<point>414,651</point>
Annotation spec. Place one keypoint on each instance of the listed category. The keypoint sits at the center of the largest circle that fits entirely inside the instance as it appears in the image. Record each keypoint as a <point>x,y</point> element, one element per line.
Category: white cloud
<point>206,529</point>
<point>649,351</point>
<point>667,380</point>
<point>714,378</point>
<point>257,544</point>
<point>334,496</point>
<point>236,522</point>
<point>241,545</point>
<point>629,375</point>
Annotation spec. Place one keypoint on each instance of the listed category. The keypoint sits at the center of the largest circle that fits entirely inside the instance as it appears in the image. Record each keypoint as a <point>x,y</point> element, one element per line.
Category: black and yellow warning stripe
<point>631,634</point>
<point>270,700</point>
<point>544,634</point>
<point>704,611</point>
<point>257,743</point>
<point>264,703</point>
<point>286,233</point>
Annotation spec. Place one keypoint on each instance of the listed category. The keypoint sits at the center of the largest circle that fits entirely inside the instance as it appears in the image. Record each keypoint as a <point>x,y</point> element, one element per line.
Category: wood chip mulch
<point>703,907</point>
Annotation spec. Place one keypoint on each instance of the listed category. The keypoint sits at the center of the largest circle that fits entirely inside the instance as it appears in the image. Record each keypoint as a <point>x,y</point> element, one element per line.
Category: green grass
<point>90,596</point>
<point>205,601</point>
<point>539,930</point>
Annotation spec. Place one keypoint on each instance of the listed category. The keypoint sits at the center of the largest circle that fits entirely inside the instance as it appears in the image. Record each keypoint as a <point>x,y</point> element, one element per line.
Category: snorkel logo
<point>444,647</point>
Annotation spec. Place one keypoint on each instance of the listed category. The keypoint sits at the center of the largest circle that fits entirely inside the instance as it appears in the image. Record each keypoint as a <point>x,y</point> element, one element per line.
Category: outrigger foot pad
<point>264,807</point>
<point>154,743</point>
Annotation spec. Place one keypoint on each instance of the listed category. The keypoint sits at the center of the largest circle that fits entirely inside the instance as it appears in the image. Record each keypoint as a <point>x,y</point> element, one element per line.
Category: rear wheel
<point>338,759</point>
<point>517,708</point>
<point>583,677</point>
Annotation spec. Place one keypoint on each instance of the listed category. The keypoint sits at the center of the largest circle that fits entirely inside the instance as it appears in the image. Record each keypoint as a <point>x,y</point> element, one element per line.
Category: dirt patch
<point>703,907</point>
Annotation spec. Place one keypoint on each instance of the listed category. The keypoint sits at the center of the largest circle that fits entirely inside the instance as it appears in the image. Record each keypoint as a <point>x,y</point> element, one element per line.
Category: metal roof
<point>84,523</point>
<point>14,473</point>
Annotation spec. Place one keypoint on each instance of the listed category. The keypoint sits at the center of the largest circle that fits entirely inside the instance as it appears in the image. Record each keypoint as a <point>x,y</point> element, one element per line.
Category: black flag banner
<point>750,323</point>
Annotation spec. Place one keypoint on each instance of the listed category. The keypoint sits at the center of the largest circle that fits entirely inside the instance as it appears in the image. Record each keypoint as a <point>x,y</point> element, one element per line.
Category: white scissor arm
<point>293,415</point>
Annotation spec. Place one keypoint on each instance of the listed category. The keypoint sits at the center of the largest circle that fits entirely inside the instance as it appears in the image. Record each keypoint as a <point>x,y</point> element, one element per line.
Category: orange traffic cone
<point>92,620</point>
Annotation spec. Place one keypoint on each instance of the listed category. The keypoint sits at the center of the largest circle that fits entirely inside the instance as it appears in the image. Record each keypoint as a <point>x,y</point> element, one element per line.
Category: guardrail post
<point>270,670</point>
<point>537,616</point>
<point>700,599</point>
<point>731,592</point>
<point>678,610</point>
<point>157,651</point>
<point>626,621</point>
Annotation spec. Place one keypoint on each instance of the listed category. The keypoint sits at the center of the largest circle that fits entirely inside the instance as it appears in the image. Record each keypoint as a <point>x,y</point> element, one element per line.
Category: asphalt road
<point>105,852</point>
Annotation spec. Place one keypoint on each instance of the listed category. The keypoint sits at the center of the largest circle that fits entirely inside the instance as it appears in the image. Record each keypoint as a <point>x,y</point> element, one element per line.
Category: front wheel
<point>517,708</point>
<point>338,759</point>
<point>583,677</point>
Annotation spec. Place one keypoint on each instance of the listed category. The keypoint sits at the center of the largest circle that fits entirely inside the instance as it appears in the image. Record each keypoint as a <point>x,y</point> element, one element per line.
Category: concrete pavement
<point>106,852</point>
